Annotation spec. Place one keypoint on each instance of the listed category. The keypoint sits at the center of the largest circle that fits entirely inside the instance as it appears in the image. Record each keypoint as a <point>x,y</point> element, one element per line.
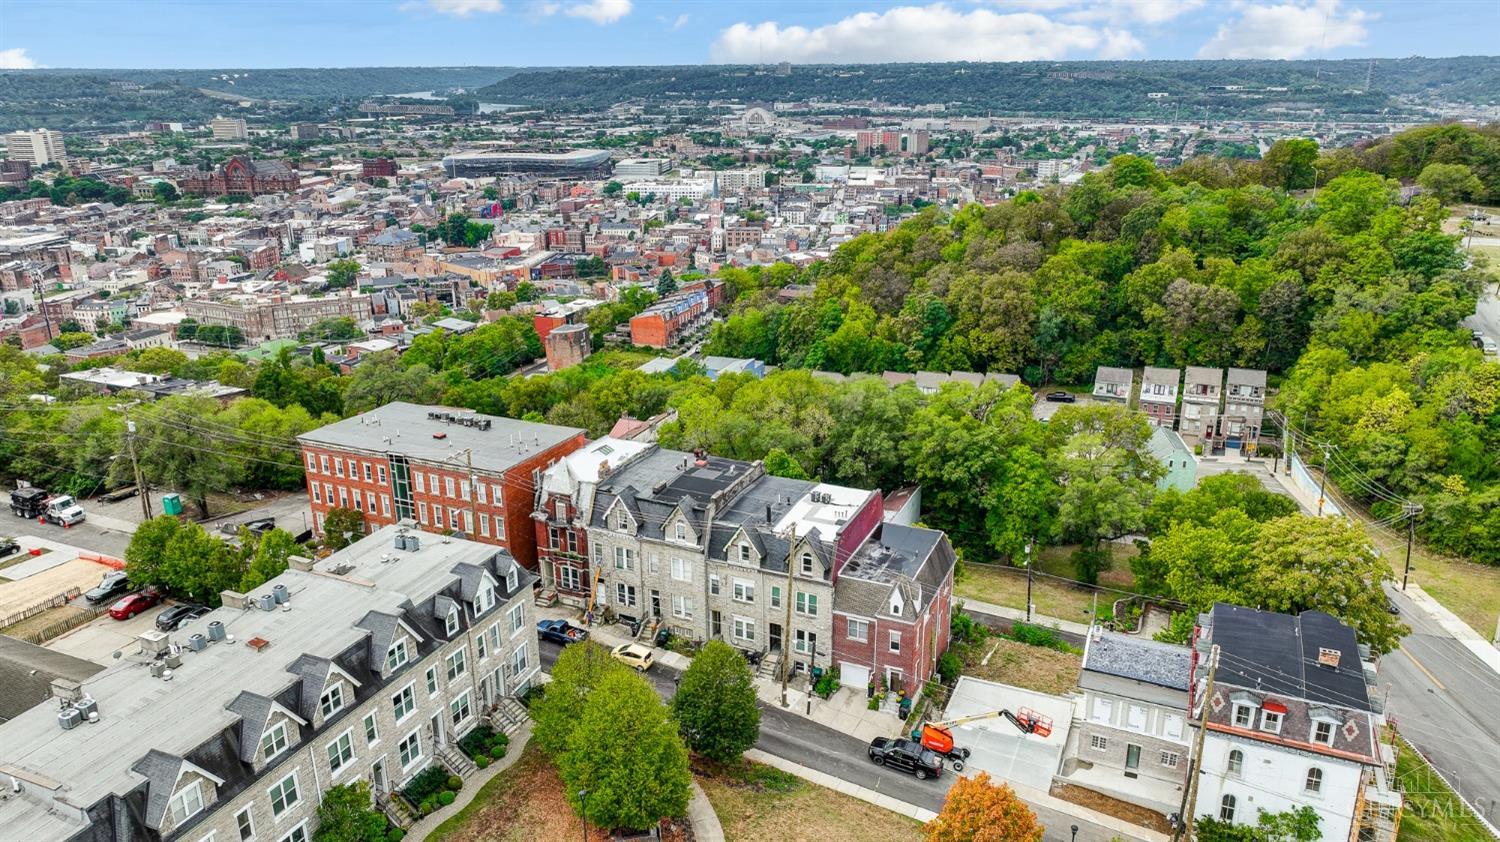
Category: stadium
<point>576,163</point>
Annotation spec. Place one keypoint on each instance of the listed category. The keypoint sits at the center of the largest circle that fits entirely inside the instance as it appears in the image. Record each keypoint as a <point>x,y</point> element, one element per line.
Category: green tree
<point>1289,164</point>
<point>345,815</point>
<point>665,283</point>
<point>626,752</point>
<point>1450,183</point>
<point>342,527</point>
<point>198,566</point>
<point>148,545</point>
<point>715,703</point>
<point>1296,825</point>
<point>779,463</point>
<point>269,559</point>
<point>173,453</point>
<point>1213,494</point>
<point>342,273</point>
<point>165,192</point>
<point>613,188</point>
<point>381,379</point>
<point>579,669</point>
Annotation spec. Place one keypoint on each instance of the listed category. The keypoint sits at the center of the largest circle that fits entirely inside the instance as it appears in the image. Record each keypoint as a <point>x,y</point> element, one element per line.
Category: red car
<point>133,604</point>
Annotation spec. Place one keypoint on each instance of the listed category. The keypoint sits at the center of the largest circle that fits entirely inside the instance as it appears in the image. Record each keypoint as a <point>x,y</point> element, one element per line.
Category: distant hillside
<point>1086,89</point>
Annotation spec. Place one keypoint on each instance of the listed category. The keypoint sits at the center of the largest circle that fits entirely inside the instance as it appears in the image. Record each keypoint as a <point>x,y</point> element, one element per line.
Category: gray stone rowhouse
<point>379,657</point>
<point>1132,740</point>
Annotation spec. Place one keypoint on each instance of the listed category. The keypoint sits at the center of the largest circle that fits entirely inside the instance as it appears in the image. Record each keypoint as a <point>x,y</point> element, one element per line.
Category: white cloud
<point>1135,12</point>
<point>682,20</point>
<point>16,59</point>
<point>1120,44</point>
<point>1288,30</point>
<point>919,33</point>
<point>600,11</point>
<point>464,8</point>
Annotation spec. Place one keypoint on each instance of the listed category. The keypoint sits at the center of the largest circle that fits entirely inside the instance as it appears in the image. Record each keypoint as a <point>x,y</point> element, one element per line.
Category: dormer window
<point>681,531</point>
<point>512,579</point>
<point>274,741</point>
<point>1322,732</point>
<point>397,655</point>
<point>896,607</point>
<point>332,701</point>
<point>745,553</point>
<point>622,522</point>
<point>450,623</point>
<point>1243,714</point>
<point>807,564</point>
<point>188,802</point>
<point>485,599</point>
<point>1270,718</point>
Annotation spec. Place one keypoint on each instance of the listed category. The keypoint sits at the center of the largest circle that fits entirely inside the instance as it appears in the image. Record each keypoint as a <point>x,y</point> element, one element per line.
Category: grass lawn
<point>1472,591</point>
<point>756,802</point>
<point>621,358</point>
<point>1001,585</point>
<point>1432,813</point>
<point>1022,665</point>
<point>524,803</point>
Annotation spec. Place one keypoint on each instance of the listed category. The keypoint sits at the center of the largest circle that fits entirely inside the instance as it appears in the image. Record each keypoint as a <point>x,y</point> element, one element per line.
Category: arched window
<point>1236,762</point>
<point>1226,808</point>
<point>1314,785</point>
<point>807,564</point>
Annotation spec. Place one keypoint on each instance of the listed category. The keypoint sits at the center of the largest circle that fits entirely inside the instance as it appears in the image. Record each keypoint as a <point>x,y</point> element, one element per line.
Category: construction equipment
<point>938,736</point>
<point>588,613</point>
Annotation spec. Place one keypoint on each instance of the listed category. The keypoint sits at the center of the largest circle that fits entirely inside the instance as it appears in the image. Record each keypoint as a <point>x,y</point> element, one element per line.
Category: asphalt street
<point>1447,703</point>
<point>801,740</point>
<point>1487,314</point>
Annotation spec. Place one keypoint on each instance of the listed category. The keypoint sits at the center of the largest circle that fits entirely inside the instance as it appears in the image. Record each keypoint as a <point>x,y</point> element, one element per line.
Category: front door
<point>1132,760</point>
<point>437,730</point>
<point>655,602</point>
<point>715,625</point>
<point>775,637</point>
<point>377,777</point>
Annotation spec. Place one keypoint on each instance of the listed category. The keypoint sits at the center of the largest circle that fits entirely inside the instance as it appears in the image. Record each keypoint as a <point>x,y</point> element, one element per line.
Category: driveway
<point>100,639</point>
<point>801,740</point>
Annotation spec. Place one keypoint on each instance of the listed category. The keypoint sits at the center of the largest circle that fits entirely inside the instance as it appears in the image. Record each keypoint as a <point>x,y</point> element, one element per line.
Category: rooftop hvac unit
<point>69,718</point>
<point>173,660</point>
<point>154,644</point>
<point>412,543</point>
<point>157,668</point>
<point>215,630</point>
<point>198,642</point>
<point>266,602</point>
<point>281,594</point>
<point>87,708</point>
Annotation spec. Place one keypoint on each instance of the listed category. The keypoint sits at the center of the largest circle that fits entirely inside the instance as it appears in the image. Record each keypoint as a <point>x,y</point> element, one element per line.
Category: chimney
<point>298,562</point>
<point>235,599</point>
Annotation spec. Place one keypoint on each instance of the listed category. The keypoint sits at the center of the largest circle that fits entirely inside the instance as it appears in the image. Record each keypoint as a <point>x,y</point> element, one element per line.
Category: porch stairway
<point>457,762</point>
<point>769,668</point>
<point>396,810</point>
<point>508,716</point>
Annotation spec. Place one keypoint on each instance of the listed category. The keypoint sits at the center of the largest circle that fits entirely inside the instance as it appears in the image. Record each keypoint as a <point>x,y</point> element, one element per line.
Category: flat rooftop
<point>413,431</point>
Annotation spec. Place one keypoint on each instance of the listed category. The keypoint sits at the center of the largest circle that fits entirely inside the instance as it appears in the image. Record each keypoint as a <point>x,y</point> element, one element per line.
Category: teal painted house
<point>1173,452</point>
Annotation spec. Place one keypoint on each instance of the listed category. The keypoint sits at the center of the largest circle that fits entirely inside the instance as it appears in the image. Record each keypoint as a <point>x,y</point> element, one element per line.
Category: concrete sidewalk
<point>706,826</point>
<point>1020,615</point>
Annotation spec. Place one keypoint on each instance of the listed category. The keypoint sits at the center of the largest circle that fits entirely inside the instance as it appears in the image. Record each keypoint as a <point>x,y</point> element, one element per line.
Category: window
<point>496,496</point>
<point>807,604</point>
<point>463,489</point>
<point>1270,720</point>
<point>188,802</point>
<point>340,751</point>
<point>1236,763</point>
<point>1172,726</point>
<point>680,531</point>
<point>744,590</point>
<point>432,681</point>
<point>372,730</point>
<point>713,585</point>
<point>624,558</point>
<point>317,494</point>
<point>1226,809</point>
<point>323,460</point>
<point>512,578</point>
<point>453,520</point>
<point>807,564</point>
<point>1135,718</point>
<point>366,466</point>
<point>572,541</point>
<point>775,596</point>
<point>570,578</point>
<point>744,629</point>
<point>297,834</point>
<point>624,594</point>
<point>403,703</point>
<point>804,642</point>
<point>1104,710</point>
<point>554,537</point>
<point>312,464</point>
<point>338,468</point>
<point>245,824</point>
<point>332,701</point>
<point>1323,732</point>
<point>859,630</point>
<point>459,709</point>
<point>457,665</point>
<point>411,749</point>
<point>481,644</point>
<point>385,505</point>
<point>622,520</point>
<point>396,655</point>
<point>515,619</point>
<point>358,506</point>
<point>284,795</point>
<point>682,607</point>
<point>380,474</point>
<point>1314,783</point>
<point>370,502</point>
<point>450,623</point>
<point>895,641</point>
<point>448,487</point>
<point>680,570</point>
<point>274,741</point>
<point>1242,716</point>
<point>353,469</point>
<point>421,483</point>
<point>1169,759</point>
<point>485,599</point>
<point>1098,743</point>
<point>422,512</point>
<point>484,525</point>
<point>343,497</point>
<point>519,660</point>
<point>745,553</point>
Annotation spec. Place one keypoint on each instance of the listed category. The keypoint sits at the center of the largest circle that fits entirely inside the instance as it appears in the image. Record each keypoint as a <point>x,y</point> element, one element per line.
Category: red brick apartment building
<point>664,322</point>
<point>408,461</point>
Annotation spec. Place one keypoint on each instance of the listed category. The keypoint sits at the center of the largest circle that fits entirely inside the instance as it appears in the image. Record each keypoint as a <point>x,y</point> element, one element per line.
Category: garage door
<point>853,675</point>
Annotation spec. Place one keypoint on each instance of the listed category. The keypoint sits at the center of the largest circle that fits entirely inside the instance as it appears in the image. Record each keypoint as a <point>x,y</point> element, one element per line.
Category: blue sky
<point>343,33</point>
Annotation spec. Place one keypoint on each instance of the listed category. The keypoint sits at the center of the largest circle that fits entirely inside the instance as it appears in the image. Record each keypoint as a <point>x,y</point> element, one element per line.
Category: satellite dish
<point>116,655</point>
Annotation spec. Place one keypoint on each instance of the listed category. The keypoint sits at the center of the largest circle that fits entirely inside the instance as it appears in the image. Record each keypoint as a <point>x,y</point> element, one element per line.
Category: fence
<point>63,626</point>
<point>45,605</point>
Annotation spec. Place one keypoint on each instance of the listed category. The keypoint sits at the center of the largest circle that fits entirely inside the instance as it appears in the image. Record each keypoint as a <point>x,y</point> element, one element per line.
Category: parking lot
<point>98,640</point>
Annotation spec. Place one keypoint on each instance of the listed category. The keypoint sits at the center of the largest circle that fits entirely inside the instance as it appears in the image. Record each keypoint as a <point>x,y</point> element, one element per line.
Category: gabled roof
<point>162,772</point>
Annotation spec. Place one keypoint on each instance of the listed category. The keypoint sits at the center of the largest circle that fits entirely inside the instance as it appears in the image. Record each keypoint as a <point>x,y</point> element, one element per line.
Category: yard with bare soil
<point>1003,585</point>
<point>756,802</point>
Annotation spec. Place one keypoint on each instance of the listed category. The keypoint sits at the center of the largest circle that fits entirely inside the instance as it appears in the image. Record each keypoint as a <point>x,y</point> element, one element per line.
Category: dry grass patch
<point>756,802</point>
<point>1020,665</point>
<point>1002,585</point>
<point>524,803</point>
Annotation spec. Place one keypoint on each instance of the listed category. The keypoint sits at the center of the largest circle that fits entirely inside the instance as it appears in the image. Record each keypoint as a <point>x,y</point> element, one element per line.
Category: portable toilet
<point>171,504</point>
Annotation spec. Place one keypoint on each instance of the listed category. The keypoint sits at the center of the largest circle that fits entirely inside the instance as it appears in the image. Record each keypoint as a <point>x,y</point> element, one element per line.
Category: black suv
<point>906,755</point>
<point>175,616</point>
<point>8,546</point>
<point>112,585</point>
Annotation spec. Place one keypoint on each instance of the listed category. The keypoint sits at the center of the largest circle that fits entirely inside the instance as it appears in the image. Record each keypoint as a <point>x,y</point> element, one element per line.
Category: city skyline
<point>542,33</point>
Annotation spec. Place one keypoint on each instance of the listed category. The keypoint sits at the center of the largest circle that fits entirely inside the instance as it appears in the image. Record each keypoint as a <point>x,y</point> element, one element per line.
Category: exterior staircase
<point>457,762</point>
<point>769,666</point>
<point>395,809</point>
<point>508,716</point>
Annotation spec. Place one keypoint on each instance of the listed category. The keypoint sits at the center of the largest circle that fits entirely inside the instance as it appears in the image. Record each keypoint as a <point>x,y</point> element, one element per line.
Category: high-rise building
<point>38,148</point>
<point>914,142</point>
<point>229,128</point>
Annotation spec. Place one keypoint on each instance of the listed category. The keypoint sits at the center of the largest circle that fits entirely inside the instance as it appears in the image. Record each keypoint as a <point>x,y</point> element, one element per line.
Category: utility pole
<point>1323,481</point>
<point>1185,828</point>
<point>786,630</point>
<point>1411,510</point>
<point>140,483</point>
<point>1028,580</point>
<point>473,492</point>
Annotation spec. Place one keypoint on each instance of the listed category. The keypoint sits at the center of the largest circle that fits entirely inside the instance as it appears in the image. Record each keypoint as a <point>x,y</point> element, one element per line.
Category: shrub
<point>827,685</point>
<point>477,742</point>
<point>948,667</point>
<point>497,751</point>
<point>482,761</point>
<point>395,834</point>
<point>428,805</point>
<point>447,797</point>
<point>1036,636</point>
<point>455,783</point>
<point>966,629</point>
<point>874,703</point>
<point>426,783</point>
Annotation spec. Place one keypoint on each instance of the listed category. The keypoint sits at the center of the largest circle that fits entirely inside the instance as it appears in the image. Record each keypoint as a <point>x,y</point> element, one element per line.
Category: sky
<point>355,33</point>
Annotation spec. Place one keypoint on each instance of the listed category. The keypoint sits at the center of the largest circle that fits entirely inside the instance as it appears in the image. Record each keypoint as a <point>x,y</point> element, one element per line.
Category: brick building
<point>240,176</point>
<point>567,346</point>
<point>404,461</point>
<point>275,317</point>
<point>666,321</point>
<point>377,168</point>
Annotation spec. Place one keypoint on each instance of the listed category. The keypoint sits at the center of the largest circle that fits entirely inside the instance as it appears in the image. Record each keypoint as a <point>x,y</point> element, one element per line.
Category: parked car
<point>560,631</point>
<point>8,546</point>
<point>176,615</point>
<point>634,655</point>
<point>1062,397</point>
<point>906,755</point>
<point>133,604</point>
<point>112,586</point>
